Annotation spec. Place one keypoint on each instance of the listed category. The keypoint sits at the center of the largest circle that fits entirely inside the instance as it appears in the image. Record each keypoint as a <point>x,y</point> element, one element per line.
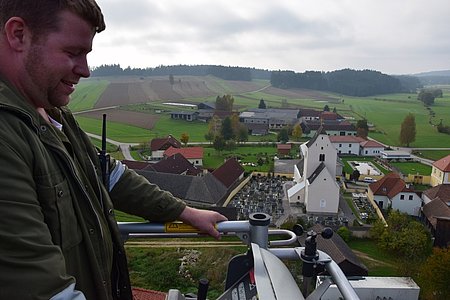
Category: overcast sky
<point>391,36</point>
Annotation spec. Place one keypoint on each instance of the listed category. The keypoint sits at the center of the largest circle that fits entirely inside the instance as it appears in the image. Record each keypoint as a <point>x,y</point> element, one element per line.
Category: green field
<point>86,94</point>
<point>379,262</point>
<point>385,112</point>
<point>432,154</point>
<point>348,169</point>
<point>116,131</point>
<point>412,168</point>
<point>247,154</point>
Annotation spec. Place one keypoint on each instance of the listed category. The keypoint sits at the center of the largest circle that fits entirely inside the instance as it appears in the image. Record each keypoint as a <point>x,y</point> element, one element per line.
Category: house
<point>436,213</point>
<point>193,154</point>
<point>354,145</point>
<point>332,127</point>
<point>275,118</point>
<point>306,114</point>
<point>159,145</point>
<point>315,176</point>
<point>197,191</point>
<point>176,164</point>
<point>210,189</point>
<point>339,251</point>
<point>346,144</point>
<point>440,172</point>
<point>183,115</point>
<point>257,129</point>
<point>284,149</point>
<point>331,116</point>
<point>207,105</point>
<point>392,191</point>
<point>436,216</point>
<point>230,173</point>
<point>370,148</point>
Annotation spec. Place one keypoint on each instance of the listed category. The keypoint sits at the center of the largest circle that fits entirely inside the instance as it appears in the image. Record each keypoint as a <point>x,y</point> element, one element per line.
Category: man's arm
<point>203,220</point>
<point>132,193</point>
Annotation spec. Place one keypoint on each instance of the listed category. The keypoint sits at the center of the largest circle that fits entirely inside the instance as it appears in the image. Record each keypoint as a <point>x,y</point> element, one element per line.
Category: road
<point>124,147</point>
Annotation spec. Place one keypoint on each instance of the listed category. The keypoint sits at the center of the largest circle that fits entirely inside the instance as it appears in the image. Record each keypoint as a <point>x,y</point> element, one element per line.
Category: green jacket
<point>57,225</point>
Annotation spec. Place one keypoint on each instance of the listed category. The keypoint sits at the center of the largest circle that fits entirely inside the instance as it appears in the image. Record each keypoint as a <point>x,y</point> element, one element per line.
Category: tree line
<point>227,73</point>
<point>347,82</point>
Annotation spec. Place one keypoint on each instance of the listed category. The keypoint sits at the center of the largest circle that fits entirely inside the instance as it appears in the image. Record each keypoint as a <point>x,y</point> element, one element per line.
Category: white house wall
<point>385,200</point>
<point>411,207</point>
<point>371,151</point>
<point>347,148</point>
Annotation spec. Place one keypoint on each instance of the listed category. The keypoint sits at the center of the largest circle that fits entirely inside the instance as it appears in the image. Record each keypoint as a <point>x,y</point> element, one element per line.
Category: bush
<point>344,233</point>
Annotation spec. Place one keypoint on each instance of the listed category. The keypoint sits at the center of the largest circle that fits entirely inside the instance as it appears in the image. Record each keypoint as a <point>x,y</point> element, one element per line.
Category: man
<point>58,235</point>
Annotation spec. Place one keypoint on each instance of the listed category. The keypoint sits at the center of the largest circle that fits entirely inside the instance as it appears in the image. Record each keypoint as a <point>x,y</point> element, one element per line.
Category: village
<point>308,186</point>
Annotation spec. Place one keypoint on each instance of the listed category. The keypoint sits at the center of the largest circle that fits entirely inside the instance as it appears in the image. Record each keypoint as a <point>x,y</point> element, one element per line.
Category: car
<point>369,180</point>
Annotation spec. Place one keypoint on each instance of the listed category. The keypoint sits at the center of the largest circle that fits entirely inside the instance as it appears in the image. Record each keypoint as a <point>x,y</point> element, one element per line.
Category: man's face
<point>55,63</point>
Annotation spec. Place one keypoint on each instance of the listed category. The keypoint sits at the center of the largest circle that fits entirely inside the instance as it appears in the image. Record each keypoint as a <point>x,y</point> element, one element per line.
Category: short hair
<point>42,16</point>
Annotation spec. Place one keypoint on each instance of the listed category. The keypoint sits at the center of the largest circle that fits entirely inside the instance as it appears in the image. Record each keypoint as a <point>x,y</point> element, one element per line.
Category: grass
<point>348,169</point>
<point>158,268</point>
<point>87,94</point>
<point>116,131</point>
<point>433,154</point>
<point>386,112</point>
<point>247,154</point>
<point>379,263</point>
<point>412,168</point>
<point>166,126</point>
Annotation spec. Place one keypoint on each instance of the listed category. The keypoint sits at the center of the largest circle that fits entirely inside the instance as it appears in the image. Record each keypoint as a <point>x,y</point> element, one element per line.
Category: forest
<point>349,82</point>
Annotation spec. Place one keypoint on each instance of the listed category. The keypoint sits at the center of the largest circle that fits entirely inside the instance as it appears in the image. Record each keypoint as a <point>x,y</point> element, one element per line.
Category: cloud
<point>402,36</point>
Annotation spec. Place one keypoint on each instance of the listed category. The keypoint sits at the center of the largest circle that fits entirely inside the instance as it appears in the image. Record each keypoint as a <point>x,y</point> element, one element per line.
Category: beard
<point>44,82</point>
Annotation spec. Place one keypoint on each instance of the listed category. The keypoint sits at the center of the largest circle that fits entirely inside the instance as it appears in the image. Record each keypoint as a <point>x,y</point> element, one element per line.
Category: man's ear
<point>17,33</point>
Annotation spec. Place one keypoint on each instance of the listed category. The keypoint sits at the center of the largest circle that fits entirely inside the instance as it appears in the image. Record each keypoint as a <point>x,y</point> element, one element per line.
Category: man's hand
<point>203,220</point>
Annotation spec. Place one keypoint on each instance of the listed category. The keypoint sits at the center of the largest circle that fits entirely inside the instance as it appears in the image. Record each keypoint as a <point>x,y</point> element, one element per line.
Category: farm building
<point>395,155</point>
<point>159,145</point>
<point>183,115</point>
<point>284,149</point>
<point>333,127</point>
<point>440,173</point>
<point>392,191</point>
<point>436,213</point>
<point>193,154</point>
<point>275,118</point>
<point>354,145</point>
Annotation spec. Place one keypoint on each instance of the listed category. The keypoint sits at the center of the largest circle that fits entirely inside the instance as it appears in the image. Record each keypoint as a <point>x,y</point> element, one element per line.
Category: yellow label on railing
<point>180,228</point>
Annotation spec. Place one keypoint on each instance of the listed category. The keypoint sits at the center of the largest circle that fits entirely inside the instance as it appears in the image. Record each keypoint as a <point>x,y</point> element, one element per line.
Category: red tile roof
<point>284,146</point>
<point>371,144</point>
<point>176,164</point>
<point>434,209</point>
<point>188,153</point>
<point>346,139</point>
<point>229,172</point>
<point>390,185</point>
<point>441,191</point>
<point>164,143</point>
<point>443,164</point>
